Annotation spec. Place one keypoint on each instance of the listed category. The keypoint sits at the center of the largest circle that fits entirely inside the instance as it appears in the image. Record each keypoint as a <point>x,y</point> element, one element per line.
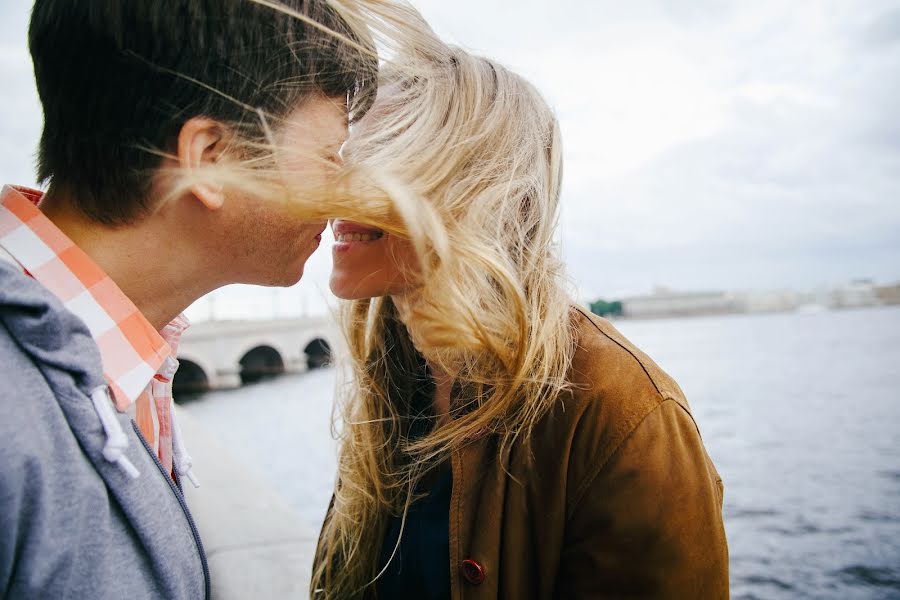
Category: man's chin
<point>291,278</point>
<point>280,279</point>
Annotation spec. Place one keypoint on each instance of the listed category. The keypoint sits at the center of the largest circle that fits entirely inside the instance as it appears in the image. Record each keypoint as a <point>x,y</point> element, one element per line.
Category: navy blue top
<point>420,567</point>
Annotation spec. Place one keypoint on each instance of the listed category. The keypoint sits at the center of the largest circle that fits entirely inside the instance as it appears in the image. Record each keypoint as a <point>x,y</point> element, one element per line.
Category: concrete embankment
<point>256,545</point>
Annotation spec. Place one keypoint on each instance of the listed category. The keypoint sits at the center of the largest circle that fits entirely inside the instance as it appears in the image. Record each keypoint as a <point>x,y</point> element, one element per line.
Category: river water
<point>800,412</point>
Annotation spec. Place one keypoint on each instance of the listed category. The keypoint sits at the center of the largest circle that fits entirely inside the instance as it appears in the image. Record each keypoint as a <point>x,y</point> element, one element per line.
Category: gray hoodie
<point>85,511</point>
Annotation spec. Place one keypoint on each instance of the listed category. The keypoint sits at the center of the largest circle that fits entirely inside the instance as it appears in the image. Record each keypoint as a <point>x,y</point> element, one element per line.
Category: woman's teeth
<point>358,237</point>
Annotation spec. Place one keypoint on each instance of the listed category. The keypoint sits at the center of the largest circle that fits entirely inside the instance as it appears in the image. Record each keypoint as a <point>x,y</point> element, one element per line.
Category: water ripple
<point>890,475</point>
<point>872,516</point>
<point>870,576</point>
<point>767,581</point>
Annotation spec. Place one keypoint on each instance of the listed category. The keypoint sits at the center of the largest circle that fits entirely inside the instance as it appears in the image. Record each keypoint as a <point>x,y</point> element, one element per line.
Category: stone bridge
<point>224,354</point>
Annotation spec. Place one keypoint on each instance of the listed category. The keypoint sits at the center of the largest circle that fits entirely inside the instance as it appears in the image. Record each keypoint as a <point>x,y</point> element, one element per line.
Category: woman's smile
<point>348,235</point>
<point>368,262</point>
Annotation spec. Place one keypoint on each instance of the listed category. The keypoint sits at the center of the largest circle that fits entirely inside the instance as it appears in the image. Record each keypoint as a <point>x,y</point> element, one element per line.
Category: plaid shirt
<point>138,361</point>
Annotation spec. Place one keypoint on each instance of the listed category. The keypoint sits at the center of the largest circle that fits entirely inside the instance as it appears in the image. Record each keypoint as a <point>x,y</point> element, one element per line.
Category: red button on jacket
<point>472,571</point>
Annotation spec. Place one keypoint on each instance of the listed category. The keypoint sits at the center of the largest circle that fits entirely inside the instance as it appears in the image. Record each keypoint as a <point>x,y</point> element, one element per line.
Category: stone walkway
<point>256,545</point>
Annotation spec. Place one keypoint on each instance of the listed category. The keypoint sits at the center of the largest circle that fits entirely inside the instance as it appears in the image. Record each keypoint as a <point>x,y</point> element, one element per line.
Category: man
<point>155,113</point>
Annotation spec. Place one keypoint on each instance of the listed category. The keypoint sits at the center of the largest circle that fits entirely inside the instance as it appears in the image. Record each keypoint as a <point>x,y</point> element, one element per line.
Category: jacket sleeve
<point>648,523</point>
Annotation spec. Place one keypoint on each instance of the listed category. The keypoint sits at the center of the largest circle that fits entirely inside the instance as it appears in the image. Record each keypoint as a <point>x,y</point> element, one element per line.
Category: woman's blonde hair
<point>472,148</point>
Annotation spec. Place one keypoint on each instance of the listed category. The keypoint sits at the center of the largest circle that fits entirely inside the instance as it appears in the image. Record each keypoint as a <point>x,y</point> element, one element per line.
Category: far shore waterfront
<point>667,303</point>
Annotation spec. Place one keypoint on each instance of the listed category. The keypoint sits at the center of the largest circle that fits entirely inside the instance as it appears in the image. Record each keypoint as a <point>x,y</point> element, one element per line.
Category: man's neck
<point>143,259</point>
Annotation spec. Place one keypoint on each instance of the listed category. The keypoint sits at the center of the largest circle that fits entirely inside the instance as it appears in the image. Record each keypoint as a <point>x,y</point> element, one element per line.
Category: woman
<point>497,441</point>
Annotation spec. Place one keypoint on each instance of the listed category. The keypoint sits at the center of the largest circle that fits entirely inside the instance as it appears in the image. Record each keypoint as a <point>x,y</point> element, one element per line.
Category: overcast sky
<point>708,144</point>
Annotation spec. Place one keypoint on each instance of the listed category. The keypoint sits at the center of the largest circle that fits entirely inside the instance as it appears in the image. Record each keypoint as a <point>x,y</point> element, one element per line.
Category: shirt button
<point>472,571</point>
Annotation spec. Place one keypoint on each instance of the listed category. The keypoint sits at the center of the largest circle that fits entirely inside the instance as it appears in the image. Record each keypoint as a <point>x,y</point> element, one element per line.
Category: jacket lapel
<point>476,510</point>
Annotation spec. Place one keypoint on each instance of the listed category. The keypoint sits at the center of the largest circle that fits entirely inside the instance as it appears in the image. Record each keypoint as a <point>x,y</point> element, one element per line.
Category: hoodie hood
<point>53,336</point>
<point>61,346</point>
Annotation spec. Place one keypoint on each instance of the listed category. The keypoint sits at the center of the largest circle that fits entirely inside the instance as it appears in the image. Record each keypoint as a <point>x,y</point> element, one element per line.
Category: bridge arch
<point>318,353</point>
<point>192,377</point>
<point>260,362</point>
<point>222,349</point>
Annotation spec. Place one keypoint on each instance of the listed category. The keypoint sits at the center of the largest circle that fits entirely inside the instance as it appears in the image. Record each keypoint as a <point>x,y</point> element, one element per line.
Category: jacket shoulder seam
<point>620,345</point>
<point>589,479</point>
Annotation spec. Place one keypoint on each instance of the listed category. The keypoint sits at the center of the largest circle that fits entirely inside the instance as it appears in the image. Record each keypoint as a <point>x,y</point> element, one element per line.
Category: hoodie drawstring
<point>183,462</point>
<point>180,458</point>
<point>116,440</point>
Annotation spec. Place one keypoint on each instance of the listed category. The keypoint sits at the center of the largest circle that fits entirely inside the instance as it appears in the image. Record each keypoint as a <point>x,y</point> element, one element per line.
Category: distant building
<point>665,303</point>
<point>766,301</point>
<point>855,295</point>
<point>888,294</point>
<point>814,300</point>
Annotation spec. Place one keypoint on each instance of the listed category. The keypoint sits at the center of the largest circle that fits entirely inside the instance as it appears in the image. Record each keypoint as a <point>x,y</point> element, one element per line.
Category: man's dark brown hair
<point>117,77</point>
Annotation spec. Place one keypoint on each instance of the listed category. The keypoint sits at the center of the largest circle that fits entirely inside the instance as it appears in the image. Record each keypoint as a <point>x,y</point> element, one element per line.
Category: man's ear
<point>201,141</point>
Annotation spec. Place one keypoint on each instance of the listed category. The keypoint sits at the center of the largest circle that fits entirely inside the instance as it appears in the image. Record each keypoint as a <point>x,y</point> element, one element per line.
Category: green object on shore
<point>607,309</point>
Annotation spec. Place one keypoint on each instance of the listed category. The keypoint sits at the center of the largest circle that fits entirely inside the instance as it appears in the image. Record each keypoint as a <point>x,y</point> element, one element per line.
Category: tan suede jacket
<point>620,501</point>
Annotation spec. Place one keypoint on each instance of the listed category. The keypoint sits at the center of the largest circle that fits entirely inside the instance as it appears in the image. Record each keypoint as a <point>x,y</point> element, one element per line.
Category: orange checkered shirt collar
<point>132,351</point>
